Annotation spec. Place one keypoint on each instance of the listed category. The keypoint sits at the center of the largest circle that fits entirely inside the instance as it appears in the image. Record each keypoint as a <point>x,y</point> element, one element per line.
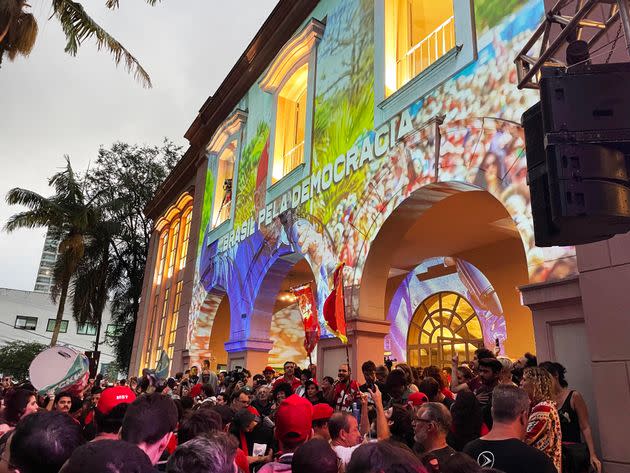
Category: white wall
<point>34,304</point>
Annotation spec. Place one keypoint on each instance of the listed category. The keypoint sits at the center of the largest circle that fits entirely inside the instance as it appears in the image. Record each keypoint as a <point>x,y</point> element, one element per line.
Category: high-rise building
<point>50,252</point>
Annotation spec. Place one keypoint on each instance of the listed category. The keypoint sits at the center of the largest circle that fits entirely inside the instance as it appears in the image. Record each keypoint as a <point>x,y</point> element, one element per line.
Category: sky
<point>53,104</point>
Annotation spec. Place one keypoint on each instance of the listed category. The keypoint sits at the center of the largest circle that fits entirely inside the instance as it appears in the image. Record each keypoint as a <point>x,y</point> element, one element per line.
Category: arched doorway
<point>444,323</point>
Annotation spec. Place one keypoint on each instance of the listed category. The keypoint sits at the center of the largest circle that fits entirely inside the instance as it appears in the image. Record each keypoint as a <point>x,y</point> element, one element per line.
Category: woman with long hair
<point>412,382</point>
<point>467,421</point>
<point>543,427</point>
<point>574,420</point>
<point>18,403</point>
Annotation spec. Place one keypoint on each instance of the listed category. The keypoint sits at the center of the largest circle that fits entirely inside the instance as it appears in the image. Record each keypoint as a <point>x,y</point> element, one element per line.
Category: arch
<point>201,327</point>
<point>443,323</point>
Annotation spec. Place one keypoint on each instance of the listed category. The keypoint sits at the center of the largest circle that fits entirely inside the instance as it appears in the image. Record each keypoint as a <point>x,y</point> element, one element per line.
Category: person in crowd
<point>293,427</point>
<point>432,423</point>
<point>149,423</point>
<point>506,370</point>
<point>193,377</point>
<point>381,374</point>
<point>315,456</point>
<point>41,443</point>
<point>18,403</point>
<point>384,457</point>
<point>111,410</point>
<point>280,393</point>
<point>269,373</point>
<point>410,378</point>
<point>108,456</point>
<point>344,430</point>
<point>199,422</point>
<point>345,390</point>
<point>214,453</point>
<point>327,386</point>
<point>259,380</point>
<point>574,420</point>
<point>369,374</point>
<point>489,372</point>
<point>431,388</point>
<point>63,402</point>
<point>526,361</point>
<point>441,377</point>
<point>244,428</point>
<point>543,428</point>
<point>400,421</point>
<point>133,383</point>
<point>305,377</point>
<point>262,401</point>
<point>460,463</point>
<point>322,413</point>
<point>209,377</point>
<point>240,399</point>
<point>288,377</point>
<point>503,447</point>
<point>468,423</point>
<point>397,388</point>
<point>312,393</point>
<point>475,382</point>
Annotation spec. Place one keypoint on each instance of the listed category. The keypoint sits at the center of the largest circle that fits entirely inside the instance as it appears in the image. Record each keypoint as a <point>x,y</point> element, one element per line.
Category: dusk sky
<point>53,104</point>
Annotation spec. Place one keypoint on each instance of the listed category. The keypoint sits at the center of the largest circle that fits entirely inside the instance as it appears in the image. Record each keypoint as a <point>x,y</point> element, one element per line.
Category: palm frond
<point>78,26</point>
<point>113,4</point>
<point>30,199</point>
<point>25,35</point>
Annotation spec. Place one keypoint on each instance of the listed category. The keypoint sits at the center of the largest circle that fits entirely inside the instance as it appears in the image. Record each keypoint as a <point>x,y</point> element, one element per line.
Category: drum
<point>59,369</point>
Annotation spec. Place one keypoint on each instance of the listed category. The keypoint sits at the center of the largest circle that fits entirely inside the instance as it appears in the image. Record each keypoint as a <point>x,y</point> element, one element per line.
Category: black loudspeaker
<point>577,140</point>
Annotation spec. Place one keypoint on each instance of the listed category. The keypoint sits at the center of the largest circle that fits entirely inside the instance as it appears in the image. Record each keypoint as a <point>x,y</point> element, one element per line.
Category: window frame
<point>26,319</point>
<point>462,55</point>
<point>61,328</point>
<point>86,326</point>
<point>299,50</point>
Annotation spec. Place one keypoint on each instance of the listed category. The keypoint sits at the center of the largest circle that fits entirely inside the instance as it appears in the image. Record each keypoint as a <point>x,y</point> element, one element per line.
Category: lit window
<point>185,240</point>
<point>417,34</point>
<point>25,323</point>
<point>444,324</point>
<point>223,194</point>
<point>163,252</point>
<point>86,329</point>
<point>290,124</point>
<point>50,327</point>
<point>173,252</point>
<point>174,319</point>
<point>150,335</point>
<point>162,332</point>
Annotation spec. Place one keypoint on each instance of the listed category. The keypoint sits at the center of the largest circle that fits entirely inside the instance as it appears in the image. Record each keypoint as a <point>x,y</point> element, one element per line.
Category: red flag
<point>334,307</point>
<point>308,309</point>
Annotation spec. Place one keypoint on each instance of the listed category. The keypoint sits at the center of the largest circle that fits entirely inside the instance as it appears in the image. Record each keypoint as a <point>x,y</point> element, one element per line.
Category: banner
<point>308,309</point>
<point>161,371</point>
<point>334,307</point>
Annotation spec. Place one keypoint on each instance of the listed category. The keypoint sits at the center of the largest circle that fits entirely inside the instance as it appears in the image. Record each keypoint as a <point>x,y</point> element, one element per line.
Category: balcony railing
<point>293,158</point>
<point>426,51</point>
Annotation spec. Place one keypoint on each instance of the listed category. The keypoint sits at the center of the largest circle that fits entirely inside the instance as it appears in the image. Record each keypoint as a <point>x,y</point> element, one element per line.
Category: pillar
<point>252,354</point>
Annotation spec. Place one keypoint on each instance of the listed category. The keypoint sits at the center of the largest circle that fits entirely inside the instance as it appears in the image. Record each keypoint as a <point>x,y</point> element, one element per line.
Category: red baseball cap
<point>195,390</point>
<point>322,411</point>
<point>269,369</point>
<point>294,416</point>
<point>113,396</point>
<point>417,399</point>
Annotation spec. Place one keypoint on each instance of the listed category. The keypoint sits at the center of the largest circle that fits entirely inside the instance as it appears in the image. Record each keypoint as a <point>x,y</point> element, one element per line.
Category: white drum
<point>59,369</point>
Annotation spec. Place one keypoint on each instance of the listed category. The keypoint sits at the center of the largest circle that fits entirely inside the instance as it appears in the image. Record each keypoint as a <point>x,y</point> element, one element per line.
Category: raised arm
<point>455,388</point>
<point>585,426</point>
<point>382,427</point>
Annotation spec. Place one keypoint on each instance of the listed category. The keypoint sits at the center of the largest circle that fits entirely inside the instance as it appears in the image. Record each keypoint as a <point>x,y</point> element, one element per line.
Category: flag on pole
<point>334,307</point>
<point>161,370</point>
<point>308,309</point>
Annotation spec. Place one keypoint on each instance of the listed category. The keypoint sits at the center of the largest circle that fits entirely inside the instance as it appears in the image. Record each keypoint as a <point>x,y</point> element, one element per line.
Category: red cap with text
<point>114,396</point>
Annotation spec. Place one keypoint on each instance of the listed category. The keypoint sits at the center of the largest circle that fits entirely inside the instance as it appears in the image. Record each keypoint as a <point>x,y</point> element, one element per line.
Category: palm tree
<point>20,31</point>
<point>70,216</point>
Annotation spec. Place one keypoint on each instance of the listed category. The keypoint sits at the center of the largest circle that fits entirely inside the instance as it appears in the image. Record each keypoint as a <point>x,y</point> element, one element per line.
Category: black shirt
<point>433,459</point>
<point>510,456</point>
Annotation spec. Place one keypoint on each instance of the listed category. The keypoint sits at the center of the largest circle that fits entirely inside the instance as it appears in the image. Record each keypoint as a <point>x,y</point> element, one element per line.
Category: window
<point>417,34</point>
<point>150,335</point>
<point>225,178</point>
<point>174,320</point>
<point>163,252</point>
<point>290,79</point>
<point>162,331</point>
<point>111,330</point>
<point>25,323</point>
<point>86,329</point>
<point>50,327</point>
<point>182,258</point>
<point>443,324</point>
<point>290,124</point>
<point>173,252</point>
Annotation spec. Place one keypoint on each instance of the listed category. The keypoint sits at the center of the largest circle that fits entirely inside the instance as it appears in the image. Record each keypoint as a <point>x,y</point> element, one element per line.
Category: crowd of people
<point>489,415</point>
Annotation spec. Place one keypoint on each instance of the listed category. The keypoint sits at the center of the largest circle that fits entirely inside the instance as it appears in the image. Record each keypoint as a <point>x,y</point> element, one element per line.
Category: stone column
<point>252,354</point>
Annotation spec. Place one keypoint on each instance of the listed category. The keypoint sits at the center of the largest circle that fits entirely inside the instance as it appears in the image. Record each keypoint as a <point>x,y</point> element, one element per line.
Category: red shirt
<point>241,461</point>
<point>344,396</point>
<point>296,383</point>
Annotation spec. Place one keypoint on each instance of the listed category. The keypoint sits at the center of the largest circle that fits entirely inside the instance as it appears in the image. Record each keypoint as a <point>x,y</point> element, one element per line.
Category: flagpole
<point>345,320</point>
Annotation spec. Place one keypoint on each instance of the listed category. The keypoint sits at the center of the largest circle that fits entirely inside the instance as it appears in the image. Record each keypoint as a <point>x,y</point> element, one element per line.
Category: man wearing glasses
<point>432,422</point>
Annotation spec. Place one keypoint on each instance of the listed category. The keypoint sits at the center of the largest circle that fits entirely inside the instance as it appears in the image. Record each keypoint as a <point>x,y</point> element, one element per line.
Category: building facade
<point>50,252</point>
<point>29,316</point>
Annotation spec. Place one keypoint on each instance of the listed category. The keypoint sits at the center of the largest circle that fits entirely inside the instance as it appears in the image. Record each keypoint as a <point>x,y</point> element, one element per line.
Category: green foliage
<point>489,13</point>
<point>16,357</point>
<point>247,171</point>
